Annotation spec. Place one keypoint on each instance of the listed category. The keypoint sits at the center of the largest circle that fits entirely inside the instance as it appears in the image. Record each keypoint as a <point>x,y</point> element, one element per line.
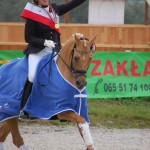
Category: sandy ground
<point>39,137</point>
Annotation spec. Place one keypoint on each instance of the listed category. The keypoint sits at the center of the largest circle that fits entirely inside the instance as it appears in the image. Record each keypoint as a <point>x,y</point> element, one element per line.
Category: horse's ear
<point>77,38</point>
<point>92,40</point>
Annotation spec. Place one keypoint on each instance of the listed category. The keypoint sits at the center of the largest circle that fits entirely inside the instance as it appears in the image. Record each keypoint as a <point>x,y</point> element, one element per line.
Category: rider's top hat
<point>35,2</point>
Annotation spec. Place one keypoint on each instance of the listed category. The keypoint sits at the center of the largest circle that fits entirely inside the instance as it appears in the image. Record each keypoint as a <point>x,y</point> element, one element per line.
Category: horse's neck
<point>65,55</point>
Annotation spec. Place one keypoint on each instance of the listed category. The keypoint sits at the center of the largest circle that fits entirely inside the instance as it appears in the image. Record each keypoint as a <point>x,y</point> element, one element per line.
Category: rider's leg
<point>33,61</point>
<point>26,93</point>
<point>82,125</point>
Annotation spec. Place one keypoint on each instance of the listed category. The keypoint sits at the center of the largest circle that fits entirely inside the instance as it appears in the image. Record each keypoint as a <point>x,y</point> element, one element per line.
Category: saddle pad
<point>52,93</point>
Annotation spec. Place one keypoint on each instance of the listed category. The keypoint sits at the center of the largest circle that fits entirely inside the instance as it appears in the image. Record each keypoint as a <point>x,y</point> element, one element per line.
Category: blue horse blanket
<point>51,92</point>
<point>13,77</point>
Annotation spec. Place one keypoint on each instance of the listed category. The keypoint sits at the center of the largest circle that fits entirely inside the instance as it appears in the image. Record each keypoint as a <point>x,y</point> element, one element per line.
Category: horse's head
<point>80,59</point>
<point>76,56</point>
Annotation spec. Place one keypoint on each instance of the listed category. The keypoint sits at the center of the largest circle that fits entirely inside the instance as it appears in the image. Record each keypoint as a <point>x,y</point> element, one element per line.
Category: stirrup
<point>27,117</point>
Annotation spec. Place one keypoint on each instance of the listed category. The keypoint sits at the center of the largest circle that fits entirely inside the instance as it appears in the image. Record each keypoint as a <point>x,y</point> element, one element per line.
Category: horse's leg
<point>17,139</point>
<point>86,136</point>
<point>8,126</point>
<point>82,125</point>
<point>4,131</point>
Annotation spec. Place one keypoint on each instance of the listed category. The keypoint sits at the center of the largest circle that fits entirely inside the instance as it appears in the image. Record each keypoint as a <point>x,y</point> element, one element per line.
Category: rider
<point>42,35</point>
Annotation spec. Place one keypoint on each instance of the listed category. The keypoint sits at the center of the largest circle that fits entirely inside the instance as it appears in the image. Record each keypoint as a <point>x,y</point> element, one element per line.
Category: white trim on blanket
<point>57,114</point>
<point>9,118</point>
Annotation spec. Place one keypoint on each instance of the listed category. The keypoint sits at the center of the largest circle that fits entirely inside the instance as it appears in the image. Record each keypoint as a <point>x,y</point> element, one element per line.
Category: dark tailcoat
<point>36,32</point>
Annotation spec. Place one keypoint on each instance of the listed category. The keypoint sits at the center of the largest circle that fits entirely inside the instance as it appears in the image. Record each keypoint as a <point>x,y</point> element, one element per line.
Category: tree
<point>11,10</point>
<point>134,12</point>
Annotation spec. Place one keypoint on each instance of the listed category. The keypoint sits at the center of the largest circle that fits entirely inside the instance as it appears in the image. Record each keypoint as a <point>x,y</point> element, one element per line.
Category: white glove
<point>49,44</point>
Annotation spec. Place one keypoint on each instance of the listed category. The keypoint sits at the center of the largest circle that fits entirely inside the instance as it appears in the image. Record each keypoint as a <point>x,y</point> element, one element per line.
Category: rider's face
<point>43,2</point>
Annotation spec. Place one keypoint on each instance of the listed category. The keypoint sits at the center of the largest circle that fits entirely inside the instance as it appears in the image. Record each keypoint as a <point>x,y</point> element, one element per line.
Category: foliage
<point>10,10</point>
<point>120,113</point>
<point>134,12</point>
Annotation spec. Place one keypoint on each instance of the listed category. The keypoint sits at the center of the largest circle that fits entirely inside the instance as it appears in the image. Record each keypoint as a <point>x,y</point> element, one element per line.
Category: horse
<point>67,71</point>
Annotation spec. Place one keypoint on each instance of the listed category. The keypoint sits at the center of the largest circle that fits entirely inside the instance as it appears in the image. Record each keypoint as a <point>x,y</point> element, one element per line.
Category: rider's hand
<point>49,44</point>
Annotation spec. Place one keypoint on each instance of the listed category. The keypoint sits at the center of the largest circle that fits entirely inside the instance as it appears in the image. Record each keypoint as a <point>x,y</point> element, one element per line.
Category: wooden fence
<point>109,37</point>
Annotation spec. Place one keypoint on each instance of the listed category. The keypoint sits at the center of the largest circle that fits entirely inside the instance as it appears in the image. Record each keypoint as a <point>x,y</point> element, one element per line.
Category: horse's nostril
<point>77,83</point>
<point>80,85</point>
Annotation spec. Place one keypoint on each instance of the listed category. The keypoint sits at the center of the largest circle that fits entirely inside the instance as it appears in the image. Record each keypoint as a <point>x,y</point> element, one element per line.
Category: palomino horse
<point>63,76</point>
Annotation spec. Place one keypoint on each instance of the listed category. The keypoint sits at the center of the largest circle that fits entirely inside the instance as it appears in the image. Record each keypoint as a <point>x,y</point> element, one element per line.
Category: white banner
<point>106,11</point>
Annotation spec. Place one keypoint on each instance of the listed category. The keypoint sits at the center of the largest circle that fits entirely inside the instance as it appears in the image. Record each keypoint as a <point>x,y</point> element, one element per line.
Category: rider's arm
<point>30,34</point>
<point>64,8</point>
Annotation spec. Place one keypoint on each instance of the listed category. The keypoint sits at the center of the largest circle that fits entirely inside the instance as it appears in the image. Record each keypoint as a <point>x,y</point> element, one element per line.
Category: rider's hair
<point>35,2</point>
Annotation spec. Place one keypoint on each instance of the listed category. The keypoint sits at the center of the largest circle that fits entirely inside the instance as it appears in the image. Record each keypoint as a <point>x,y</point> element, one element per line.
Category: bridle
<point>76,73</point>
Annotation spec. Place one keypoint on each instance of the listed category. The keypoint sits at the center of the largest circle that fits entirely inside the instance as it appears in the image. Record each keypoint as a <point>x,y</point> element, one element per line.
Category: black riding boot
<point>26,93</point>
<point>25,96</point>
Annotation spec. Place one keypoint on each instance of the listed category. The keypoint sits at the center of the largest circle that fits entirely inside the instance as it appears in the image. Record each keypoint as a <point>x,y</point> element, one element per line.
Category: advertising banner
<point>119,74</point>
<point>111,74</point>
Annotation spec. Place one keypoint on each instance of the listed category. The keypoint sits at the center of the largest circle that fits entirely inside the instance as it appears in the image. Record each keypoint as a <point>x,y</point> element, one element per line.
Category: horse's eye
<point>76,58</point>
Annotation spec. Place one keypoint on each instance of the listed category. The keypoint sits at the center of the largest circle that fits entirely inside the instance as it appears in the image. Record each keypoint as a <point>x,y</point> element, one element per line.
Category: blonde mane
<point>71,41</point>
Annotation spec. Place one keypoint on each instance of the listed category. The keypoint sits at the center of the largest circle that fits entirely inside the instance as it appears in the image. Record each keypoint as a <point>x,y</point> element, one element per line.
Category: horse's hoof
<point>90,149</point>
<point>1,146</point>
<point>23,147</point>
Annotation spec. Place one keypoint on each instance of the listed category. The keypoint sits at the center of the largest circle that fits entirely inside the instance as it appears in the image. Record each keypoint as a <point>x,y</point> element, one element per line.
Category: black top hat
<point>35,2</point>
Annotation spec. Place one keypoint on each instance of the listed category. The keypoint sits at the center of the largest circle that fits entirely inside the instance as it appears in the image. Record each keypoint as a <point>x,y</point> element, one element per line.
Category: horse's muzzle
<point>80,84</point>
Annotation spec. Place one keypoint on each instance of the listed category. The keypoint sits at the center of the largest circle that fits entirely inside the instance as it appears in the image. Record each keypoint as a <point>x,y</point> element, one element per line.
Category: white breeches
<point>33,61</point>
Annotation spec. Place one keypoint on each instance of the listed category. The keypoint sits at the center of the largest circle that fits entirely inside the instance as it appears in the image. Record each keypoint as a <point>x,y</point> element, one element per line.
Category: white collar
<point>47,8</point>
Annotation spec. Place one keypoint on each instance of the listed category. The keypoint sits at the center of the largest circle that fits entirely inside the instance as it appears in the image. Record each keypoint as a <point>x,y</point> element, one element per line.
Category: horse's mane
<point>69,44</point>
